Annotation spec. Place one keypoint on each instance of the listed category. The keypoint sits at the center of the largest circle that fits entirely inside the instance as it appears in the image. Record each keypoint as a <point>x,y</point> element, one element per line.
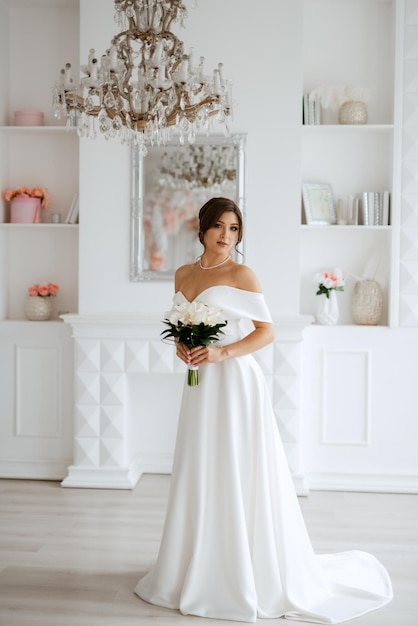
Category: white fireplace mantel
<point>118,355</point>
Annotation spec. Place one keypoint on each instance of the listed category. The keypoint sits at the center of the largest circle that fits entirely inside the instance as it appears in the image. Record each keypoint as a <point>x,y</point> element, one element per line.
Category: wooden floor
<point>72,557</point>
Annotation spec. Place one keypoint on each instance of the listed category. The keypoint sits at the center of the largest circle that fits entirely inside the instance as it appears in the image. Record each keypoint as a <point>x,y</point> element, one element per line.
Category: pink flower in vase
<point>53,289</point>
<point>45,290</point>
<point>33,291</point>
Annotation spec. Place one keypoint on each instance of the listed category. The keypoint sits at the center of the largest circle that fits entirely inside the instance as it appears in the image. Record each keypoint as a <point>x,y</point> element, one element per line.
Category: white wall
<point>253,43</point>
<point>261,47</point>
<point>38,68</point>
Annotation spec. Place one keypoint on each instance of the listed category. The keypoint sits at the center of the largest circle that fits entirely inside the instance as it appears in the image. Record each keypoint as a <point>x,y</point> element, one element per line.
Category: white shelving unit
<point>353,43</point>
<point>36,40</point>
<point>36,358</point>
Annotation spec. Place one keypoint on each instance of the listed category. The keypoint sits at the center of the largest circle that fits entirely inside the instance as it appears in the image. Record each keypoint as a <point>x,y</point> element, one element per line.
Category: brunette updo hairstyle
<point>212,210</point>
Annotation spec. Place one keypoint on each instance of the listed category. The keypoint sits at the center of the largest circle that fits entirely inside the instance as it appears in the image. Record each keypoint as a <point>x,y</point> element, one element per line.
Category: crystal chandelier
<point>199,167</point>
<point>144,87</point>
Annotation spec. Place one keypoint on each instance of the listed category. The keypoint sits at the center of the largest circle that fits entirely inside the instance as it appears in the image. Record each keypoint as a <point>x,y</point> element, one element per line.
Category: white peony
<point>193,313</point>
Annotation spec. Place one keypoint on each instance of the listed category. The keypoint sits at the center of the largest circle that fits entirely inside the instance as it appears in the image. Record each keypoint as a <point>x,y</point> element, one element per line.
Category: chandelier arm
<point>190,111</point>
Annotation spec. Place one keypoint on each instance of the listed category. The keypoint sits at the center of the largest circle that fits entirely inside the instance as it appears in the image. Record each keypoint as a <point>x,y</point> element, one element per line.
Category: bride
<point>234,544</point>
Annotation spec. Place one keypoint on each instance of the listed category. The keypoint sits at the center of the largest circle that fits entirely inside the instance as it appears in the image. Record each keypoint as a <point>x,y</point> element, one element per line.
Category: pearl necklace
<point>212,267</point>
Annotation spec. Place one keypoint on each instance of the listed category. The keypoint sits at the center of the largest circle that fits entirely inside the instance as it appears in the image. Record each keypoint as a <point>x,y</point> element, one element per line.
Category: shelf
<point>346,227</point>
<point>42,225</point>
<point>18,130</point>
<point>30,322</point>
<point>347,128</point>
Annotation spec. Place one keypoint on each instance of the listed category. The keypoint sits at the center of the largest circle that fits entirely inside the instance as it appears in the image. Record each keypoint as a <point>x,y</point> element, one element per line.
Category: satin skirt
<point>234,544</point>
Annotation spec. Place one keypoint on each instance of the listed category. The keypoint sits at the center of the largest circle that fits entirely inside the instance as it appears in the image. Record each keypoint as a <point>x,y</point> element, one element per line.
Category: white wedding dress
<point>235,545</point>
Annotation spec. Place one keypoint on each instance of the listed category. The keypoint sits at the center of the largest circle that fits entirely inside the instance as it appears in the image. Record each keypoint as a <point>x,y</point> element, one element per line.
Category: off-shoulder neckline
<point>257,293</point>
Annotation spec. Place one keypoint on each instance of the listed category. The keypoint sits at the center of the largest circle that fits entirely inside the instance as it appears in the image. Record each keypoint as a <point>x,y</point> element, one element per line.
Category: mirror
<point>169,186</point>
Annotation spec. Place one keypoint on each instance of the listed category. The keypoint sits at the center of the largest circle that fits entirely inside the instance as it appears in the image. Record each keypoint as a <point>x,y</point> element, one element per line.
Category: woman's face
<point>222,236</point>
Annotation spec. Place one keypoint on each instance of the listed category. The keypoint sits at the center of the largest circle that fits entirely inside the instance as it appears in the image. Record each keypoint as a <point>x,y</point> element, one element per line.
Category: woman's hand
<point>199,355</point>
<point>183,352</point>
<point>205,354</point>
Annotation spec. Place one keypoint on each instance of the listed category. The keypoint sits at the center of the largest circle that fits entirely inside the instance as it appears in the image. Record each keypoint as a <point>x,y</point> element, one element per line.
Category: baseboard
<point>379,483</point>
<point>33,470</point>
<point>301,486</point>
<point>148,463</point>
<point>118,477</point>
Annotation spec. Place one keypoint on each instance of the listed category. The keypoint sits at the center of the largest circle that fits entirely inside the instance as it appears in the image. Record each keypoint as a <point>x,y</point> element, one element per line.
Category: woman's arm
<point>261,336</point>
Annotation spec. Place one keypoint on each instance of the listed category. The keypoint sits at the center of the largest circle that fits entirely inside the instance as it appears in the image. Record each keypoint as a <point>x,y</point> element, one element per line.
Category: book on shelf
<point>311,110</point>
<point>375,208</point>
<point>72,215</point>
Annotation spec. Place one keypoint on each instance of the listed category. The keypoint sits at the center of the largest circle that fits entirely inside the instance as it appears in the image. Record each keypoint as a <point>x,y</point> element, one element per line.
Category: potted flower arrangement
<point>39,306</point>
<point>26,203</point>
<point>329,282</point>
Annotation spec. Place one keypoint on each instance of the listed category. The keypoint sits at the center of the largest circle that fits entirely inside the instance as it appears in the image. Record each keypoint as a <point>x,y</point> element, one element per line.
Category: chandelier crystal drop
<point>144,87</point>
<point>199,167</point>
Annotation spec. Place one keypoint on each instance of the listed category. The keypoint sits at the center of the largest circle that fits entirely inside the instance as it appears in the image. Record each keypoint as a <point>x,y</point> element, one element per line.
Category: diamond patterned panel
<point>286,393</point>
<point>410,210</point>
<point>137,356</point>
<point>112,388</point>
<point>112,452</point>
<point>410,115</point>
<point>264,358</point>
<point>286,359</point>
<point>410,176</point>
<point>112,356</point>
<point>88,355</point>
<point>87,420</point>
<point>161,357</point>
<point>409,277</point>
<point>87,388</point>
<point>408,310</point>
<point>86,453</point>
<point>409,243</point>
<point>288,423</point>
<point>410,144</point>
<point>112,422</point>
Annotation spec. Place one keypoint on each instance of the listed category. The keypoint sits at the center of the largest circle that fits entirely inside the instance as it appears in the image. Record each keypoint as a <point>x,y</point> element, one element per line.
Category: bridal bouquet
<point>194,324</point>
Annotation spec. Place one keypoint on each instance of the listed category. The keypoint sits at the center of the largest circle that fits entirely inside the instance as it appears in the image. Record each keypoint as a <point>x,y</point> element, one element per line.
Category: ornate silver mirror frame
<point>169,186</point>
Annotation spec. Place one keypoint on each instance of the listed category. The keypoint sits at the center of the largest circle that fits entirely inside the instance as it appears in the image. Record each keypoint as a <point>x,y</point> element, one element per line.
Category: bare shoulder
<point>181,274</point>
<point>246,279</point>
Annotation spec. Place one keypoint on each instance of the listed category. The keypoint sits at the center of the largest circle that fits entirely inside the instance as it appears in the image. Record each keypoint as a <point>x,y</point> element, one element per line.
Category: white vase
<point>327,312</point>
<point>38,308</point>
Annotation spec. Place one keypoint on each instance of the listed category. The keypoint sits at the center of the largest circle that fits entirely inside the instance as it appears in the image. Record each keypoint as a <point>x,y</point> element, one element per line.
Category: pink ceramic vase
<point>25,210</point>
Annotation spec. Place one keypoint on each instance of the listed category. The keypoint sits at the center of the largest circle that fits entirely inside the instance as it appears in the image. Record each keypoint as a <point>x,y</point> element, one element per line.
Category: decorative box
<point>29,118</point>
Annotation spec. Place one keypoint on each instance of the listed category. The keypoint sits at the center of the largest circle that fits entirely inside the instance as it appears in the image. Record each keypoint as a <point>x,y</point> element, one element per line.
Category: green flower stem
<point>193,377</point>
<point>322,290</point>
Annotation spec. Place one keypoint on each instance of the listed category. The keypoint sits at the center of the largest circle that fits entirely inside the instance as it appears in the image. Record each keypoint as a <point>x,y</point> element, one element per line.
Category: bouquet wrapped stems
<point>193,375</point>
